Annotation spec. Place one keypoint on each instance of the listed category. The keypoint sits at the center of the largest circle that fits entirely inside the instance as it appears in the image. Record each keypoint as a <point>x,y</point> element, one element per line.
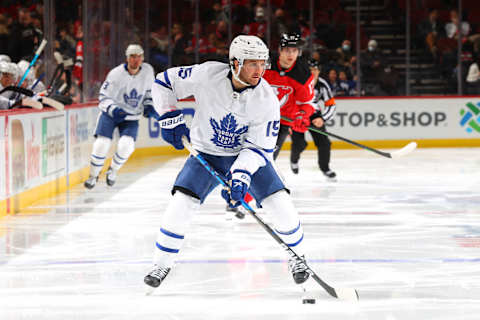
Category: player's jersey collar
<point>281,69</point>
<point>126,68</point>
<point>229,76</point>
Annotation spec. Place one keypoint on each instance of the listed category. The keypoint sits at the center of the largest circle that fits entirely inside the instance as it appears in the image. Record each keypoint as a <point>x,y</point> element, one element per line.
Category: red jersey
<point>294,88</point>
<point>78,67</point>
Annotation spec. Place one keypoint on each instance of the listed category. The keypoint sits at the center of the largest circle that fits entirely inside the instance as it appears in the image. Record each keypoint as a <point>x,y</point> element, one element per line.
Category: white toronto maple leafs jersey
<point>226,122</point>
<point>129,92</point>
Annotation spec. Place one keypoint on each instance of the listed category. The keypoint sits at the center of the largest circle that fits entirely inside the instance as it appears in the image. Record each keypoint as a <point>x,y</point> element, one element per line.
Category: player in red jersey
<point>293,83</point>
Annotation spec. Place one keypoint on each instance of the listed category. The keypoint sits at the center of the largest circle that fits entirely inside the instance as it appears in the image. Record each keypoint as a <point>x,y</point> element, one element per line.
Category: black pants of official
<point>322,142</point>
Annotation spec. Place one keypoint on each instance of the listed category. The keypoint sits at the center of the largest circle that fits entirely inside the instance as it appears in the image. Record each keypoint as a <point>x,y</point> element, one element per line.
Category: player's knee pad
<point>179,213</point>
<point>125,146</point>
<point>280,207</point>
<point>101,146</point>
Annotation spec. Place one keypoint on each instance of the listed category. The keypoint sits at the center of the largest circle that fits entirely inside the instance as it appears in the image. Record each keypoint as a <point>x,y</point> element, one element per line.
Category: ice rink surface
<point>405,233</point>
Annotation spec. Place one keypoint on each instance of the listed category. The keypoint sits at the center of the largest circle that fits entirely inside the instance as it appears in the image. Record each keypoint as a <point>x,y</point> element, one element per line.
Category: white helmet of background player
<point>8,73</point>
<point>4,57</point>
<point>22,67</point>
<point>246,48</point>
<point>134,49</point>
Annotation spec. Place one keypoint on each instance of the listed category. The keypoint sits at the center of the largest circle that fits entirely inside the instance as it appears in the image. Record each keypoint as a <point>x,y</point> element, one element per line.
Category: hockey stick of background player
<point>20,90</point>
<point>37,54</point>
<point>396,154</point>
<point>340,293</point>
<point>26,102</point>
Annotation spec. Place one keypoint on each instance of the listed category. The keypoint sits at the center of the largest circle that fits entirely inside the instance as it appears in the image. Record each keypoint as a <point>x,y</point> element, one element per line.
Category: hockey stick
<point>27,102</point>
<point>340,293</point>
<point>52,103</point>
<point>37,54</point>
<point>395,154</point>
<point>21,90</point>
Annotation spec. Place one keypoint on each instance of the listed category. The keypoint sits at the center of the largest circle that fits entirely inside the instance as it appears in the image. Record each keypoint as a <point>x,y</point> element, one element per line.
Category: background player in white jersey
<point>124,96</point>
<point>8,77</point>
<point>235,128</point>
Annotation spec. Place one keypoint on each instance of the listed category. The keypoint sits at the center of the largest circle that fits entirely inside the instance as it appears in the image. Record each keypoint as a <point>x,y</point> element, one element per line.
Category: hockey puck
<point>308,301</point>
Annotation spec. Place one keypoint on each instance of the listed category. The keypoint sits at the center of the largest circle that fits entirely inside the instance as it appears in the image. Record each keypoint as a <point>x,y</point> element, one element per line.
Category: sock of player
<point>285,220</point>
<point>125,147</point>
<point>175,222</point>
<point>99,153</point>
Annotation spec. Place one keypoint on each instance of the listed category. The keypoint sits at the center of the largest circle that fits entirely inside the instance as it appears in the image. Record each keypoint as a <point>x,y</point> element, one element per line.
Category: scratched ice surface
<point>405,233</point>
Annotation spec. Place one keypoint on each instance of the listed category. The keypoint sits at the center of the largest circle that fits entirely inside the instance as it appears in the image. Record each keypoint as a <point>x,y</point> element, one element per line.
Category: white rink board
<point>392,119</point>
<point>81,127</point>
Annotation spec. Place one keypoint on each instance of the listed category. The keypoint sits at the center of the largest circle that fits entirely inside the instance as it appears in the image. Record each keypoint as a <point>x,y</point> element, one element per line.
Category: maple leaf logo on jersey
<point>133,99</point>
<point>226,134</point>
<point>283,93</point>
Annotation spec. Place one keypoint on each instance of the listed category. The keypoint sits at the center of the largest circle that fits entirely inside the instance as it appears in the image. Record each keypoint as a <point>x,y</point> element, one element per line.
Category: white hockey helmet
<point>134,49</point>
<point>243,48</point>
<point>4,57</point>
<point>4,67</point>
<point>22,66</point>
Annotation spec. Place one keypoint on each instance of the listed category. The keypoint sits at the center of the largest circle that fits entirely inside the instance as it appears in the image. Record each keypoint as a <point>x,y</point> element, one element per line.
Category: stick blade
<point>404,151</point>
<point>34,104</point>
<point>53,103</point>
<point>347,294</point>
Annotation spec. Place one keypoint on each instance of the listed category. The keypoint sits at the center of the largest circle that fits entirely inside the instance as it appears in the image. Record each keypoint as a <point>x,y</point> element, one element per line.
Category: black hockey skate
<point>294,167</point>
<point>237,211</point>
<point>90,182</point>
<point>329,174</point>
<point>156,276</point>
<point>299,269</point>
<point>111,176</point>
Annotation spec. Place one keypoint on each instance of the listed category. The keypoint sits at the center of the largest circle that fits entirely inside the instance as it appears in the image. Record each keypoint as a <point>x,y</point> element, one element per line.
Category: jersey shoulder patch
<point>301,71</point>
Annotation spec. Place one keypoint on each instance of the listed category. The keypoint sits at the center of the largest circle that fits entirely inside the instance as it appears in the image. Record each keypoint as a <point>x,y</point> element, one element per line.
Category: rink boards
<point>46,152</point>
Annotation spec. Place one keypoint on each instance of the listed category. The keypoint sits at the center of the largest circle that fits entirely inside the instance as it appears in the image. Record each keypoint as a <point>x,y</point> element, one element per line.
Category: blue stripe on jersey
<point>296,243</point>
<point>165,73</point>
<point>289,232</point>
<point>171,234</point>
<point>163,84</point>
<point>159,246</point>
<point>265,150</point>
<point>260,153</point>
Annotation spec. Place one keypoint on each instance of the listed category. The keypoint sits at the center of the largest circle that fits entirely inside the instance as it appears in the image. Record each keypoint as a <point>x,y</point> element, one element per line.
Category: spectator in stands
<point>428,31</point>
<point>216,14</point>
<point>279,26</point>
<point>259,26</point>
<point>347,87</point>
<point>179,45</point>
<point>221,32</point>
<point>65,44</point>
<point>372,62</point>
<point>389,81</point>
<point>24,37</point>
<point>333,82</point>
<point>345,53</point>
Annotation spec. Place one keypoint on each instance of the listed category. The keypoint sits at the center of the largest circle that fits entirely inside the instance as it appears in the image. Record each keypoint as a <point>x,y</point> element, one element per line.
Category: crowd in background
<point>331,41</point>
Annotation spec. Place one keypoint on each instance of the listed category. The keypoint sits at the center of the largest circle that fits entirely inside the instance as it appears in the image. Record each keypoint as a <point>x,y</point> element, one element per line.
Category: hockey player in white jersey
<point>124,96</point>
<point>235,129</point>
<point>9,74</point>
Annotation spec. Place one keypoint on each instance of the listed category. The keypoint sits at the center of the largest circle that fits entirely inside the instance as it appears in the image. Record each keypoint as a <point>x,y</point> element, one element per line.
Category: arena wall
<point>46,152</point>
